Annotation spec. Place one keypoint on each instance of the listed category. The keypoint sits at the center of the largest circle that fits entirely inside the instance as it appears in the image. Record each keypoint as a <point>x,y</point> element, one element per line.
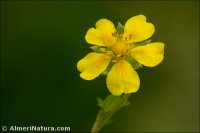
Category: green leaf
<point>107,122</point>
<point>100,102</point>
<point>109,106</point>
<point>113,103</point>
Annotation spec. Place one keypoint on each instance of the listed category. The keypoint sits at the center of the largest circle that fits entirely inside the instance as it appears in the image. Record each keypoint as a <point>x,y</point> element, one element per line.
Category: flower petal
<point>102,35</point>
<point>94,36</point>
<point>122,78</point>
<point>149,55</point>
<point>92,65</point>
<point>137,29</point>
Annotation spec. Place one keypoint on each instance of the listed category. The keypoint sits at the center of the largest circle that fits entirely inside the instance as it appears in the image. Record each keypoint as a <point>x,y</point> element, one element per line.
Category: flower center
<point>119,49</point>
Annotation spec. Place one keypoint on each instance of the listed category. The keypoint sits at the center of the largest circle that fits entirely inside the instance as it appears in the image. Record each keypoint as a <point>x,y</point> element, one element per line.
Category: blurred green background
<point>41,43</point>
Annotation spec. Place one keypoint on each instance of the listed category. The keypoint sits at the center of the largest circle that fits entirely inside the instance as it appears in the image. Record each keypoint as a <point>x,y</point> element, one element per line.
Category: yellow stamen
<point>118,55</point>
<point>103,50</point>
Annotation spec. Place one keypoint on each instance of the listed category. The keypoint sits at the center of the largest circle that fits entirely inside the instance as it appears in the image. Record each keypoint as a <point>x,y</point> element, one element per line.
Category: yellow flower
<point>117,48</point>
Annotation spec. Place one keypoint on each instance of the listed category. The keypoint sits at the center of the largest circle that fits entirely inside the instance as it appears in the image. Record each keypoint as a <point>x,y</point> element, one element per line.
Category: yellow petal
<point>94,36</point>
<point>149,55</point>
<point>92,65</point>
<point>122,78</point>
<point>102,35</point>
<point>137,29</point>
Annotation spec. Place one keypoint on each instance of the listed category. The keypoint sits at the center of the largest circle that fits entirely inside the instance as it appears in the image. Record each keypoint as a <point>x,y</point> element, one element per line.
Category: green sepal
<point>120,28</point>
<point>108,68</point>
<point>143,42</point>
<point>133,62</point>
<point>97,48</point>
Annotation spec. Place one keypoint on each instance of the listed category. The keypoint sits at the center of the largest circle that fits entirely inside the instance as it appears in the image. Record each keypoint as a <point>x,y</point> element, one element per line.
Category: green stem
<point>108,108</point>
<point>100,121</point>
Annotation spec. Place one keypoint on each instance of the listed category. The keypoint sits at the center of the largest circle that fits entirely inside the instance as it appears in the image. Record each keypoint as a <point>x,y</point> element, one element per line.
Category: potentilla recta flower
<point>119,51</point>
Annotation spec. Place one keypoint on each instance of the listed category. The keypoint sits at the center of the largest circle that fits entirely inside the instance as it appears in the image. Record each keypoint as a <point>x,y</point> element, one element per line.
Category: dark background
<point>41,43</point>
